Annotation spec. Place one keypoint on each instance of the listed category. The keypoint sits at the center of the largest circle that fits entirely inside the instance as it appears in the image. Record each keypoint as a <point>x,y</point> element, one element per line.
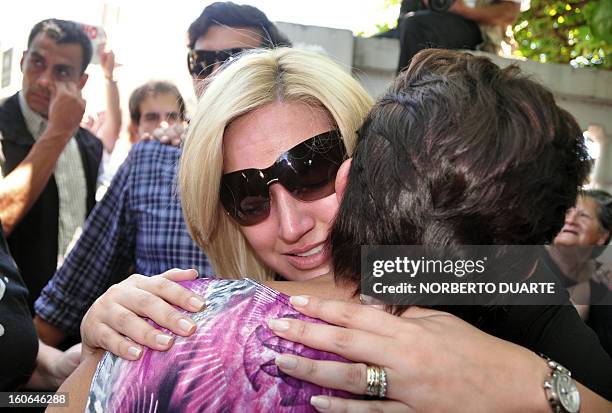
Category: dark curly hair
<point>459,152</point>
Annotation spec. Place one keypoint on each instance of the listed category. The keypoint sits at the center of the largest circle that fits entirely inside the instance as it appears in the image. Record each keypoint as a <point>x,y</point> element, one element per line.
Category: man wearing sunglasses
<point>222,32</point>
<point>138,226</point>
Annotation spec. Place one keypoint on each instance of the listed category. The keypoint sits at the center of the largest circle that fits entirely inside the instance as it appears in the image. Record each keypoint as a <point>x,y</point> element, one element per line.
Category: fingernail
<point>163,339</point>
<point>299,301</point>
<point>285,362</point>
<point>278,325</point>
<point>134,352</point>
<point>320,402</point>
<point>186,325</point>
<point>196,303</point>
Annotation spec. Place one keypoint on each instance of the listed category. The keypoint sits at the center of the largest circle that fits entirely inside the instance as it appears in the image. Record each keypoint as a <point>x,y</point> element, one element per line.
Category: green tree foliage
<point>571,31</point>
<point>578,32</point>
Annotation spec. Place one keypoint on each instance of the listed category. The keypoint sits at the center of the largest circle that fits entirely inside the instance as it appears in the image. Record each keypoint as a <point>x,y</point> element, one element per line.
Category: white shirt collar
<point>35,123</point>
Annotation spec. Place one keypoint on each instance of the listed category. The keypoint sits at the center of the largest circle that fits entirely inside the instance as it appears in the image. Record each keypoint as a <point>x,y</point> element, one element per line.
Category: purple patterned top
<point>226,365</point>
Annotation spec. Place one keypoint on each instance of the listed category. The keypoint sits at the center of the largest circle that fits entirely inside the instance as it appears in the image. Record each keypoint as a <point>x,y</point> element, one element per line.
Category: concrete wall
<point>337,43</point>
<point>585,93</point>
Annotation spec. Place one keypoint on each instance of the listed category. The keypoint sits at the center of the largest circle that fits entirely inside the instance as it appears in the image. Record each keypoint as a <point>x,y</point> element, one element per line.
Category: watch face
<point>568,393</point>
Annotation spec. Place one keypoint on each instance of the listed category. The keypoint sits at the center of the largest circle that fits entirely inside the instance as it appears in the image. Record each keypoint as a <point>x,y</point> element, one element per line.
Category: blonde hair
<point>254,80</point>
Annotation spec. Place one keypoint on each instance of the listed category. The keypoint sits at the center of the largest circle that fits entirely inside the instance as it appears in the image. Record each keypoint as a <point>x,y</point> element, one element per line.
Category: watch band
<point>552,388</point>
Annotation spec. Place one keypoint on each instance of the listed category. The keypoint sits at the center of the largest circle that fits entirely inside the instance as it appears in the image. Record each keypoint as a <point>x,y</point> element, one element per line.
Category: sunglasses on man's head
<point>202,62</point>
<point>307,171</point>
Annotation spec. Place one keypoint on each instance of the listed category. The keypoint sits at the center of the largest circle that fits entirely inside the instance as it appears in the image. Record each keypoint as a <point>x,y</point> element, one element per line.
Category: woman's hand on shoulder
<point>115,322</point>
<point>434,361</point>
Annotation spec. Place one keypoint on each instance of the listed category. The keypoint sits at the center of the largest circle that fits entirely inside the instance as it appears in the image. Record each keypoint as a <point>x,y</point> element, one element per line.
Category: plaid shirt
<point>138,226</point>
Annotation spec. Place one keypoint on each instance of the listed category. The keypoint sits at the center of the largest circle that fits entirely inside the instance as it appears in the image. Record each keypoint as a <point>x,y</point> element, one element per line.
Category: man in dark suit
<point>48,164</point>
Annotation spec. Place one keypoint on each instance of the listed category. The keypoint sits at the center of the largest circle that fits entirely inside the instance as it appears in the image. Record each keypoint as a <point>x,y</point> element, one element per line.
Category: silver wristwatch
<point>561,390</point>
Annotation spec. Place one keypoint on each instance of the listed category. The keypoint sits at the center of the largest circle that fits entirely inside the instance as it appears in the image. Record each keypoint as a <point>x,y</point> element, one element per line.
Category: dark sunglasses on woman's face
<point>307,171</point>
<point>202,62</point>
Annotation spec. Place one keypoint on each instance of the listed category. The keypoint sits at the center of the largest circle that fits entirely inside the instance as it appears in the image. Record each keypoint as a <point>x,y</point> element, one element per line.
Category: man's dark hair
<point>236,15</point>
<point>153,88</point>
<point>604,208</point>
<point>64,31</point>
<point>459,152</point>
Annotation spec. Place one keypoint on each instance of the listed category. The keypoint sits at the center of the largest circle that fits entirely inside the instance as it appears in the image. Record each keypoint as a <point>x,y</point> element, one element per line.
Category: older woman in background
<point>574,259</point>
